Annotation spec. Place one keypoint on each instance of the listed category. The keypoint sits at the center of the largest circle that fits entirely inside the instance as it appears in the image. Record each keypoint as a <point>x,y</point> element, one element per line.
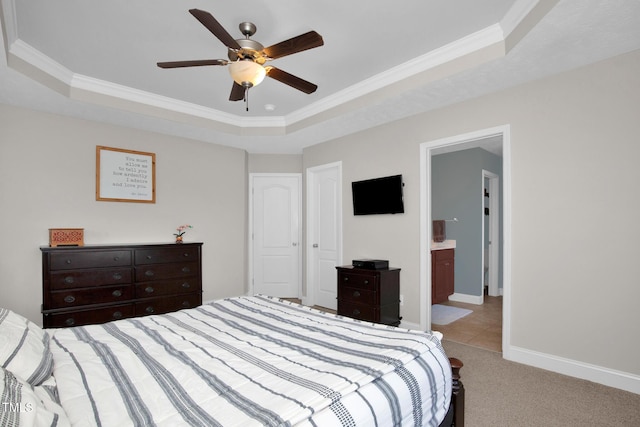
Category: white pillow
<point>24,348</point>
<point>26,406</point>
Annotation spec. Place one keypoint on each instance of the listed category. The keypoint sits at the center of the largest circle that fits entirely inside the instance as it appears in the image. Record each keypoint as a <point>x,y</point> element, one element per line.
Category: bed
<point>238,361</point>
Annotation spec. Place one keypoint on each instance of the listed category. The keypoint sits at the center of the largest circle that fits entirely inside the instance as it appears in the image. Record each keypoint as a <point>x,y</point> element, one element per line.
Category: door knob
<point>315,245</point>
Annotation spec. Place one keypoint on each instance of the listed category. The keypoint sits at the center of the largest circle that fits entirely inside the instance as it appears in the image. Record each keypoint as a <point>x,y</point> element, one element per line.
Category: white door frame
<point>250,240</point>
<point>425,219</point>
<point>310,297</point>
<point>494,235</point>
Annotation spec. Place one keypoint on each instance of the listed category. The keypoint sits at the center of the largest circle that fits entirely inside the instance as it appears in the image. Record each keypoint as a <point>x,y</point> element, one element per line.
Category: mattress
<point>249,361</point>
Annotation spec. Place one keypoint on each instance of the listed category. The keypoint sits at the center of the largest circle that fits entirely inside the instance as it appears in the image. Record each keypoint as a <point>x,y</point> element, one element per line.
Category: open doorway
<point>488,139</point>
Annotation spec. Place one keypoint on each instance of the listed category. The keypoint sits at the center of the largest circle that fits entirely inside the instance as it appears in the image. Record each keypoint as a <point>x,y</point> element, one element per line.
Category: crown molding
<point>516,15</point>
<point>457,49</point>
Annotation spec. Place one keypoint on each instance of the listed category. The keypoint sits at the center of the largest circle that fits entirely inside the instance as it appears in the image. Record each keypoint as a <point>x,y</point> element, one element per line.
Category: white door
<point>324,238</point>
<point>276,231</point>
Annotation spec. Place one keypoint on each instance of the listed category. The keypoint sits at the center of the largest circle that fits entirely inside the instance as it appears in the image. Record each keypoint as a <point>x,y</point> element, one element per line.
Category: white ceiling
<point>97,60</point>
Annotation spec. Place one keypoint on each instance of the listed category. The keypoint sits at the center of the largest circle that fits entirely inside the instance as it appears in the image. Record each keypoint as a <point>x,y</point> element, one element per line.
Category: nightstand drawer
<point>357,295</point>
<point>90,278</point>
<point>358,280</point>
<point>358,311</point>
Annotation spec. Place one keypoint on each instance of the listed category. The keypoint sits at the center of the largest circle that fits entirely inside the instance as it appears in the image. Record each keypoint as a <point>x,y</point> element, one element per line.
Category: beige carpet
<point>502,393</point>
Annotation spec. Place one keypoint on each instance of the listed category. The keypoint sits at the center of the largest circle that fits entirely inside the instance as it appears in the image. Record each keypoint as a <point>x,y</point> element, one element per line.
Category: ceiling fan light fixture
<point>247,73</point>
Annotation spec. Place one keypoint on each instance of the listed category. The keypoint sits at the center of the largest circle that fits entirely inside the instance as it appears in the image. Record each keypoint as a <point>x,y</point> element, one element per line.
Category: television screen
<point>378,196</point>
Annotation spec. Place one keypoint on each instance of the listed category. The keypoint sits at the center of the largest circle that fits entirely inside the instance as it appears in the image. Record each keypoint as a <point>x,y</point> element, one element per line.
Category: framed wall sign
<point>125,175</point>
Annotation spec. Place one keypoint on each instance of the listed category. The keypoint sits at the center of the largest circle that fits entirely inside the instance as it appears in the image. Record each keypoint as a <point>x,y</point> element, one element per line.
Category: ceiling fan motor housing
<point>249,49</point>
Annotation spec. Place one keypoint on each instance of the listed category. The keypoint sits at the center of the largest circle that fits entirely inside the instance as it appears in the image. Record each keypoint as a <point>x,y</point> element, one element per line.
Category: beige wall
<point>575,206</point>
<point>275,163</point>
<point>47,180</point>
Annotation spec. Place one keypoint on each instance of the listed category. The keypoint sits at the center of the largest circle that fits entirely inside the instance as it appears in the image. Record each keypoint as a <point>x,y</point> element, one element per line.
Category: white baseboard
<point>469,299</point>
<point>597,374</point>
<point>409,325</point>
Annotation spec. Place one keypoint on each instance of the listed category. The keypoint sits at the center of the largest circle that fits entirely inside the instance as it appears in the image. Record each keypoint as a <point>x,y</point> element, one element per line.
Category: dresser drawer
<point>89,316</point>
<point>358,311</point>
<point>167,271</point>
<point>168,304</point>
<point>357,295</point>
<point>167,287</point>
<point>354,280</point>
<point>101,295</point>
<point>89,259</point>
<point>165,255</point>
<point>88,278</point>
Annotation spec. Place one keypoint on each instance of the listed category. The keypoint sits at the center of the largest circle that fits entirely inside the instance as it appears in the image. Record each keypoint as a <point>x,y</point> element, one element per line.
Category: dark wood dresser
<point>99,283</point>
<point>371,295</point>
<point>442,275</point>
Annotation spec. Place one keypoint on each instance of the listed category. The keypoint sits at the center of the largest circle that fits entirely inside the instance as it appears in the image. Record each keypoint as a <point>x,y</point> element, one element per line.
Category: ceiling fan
<point>247,57</point>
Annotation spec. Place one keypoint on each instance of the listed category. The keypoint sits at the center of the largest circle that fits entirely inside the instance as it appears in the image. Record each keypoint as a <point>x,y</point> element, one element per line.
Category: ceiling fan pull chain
<point>246,97</point>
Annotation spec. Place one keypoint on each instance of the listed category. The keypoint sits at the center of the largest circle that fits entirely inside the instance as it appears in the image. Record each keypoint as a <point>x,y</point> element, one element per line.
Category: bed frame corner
<point>457,395</point>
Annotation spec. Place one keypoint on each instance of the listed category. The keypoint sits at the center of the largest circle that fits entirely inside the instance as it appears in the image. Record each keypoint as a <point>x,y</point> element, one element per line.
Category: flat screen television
<point>378,196</point>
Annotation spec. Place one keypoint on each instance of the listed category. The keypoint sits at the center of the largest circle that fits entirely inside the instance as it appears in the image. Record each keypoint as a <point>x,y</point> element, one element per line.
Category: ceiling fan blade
<point>291,80</point>
<point>195,63</point>
<point>214,26</point>
<point>297,44</point>
<point>237,92</point>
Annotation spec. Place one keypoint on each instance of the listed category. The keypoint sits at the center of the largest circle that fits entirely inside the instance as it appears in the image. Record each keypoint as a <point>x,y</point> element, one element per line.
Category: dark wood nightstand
<point>371,295</point>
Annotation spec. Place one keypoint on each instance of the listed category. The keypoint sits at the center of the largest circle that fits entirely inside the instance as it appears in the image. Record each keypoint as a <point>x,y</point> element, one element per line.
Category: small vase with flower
<point>180,232</point>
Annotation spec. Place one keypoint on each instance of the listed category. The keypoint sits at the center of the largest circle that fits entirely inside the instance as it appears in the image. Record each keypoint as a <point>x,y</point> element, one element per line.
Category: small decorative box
<point>66,237</point>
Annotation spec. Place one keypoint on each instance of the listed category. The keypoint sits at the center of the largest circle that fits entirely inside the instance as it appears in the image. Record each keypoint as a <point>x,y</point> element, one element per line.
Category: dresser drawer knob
<point>185,254</point>
<point>116,258</point>
<point>149,256</point>
<point>150,309</point>
<point>68,261</point>
<point>117,293</point>
<point>117,276</point>
<point>186,270</point>
<point>186,304</point>
<point>356,294</point>
<point>68,280</point>
<point>366,282</point>
<point>148,273</point>
<point>186,285</point>
<point>346,279</point>
<point>117,315</point>
<point>356,312</point>
<point>149,289</point>
<point>69,299</point>
<point>70,321</point>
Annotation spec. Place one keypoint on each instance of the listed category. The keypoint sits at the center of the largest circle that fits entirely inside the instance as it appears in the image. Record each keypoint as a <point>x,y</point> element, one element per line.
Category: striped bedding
<point>249,361</point>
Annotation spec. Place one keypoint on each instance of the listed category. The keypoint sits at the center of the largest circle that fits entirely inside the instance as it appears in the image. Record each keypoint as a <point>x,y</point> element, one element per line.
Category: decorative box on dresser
<point>99,283</point>
<point>371,295</point>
